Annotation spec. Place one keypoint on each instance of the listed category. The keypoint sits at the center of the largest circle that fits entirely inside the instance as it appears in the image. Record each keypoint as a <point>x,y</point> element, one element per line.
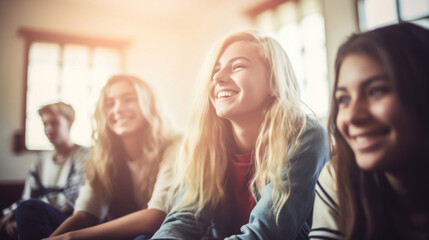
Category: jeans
<point>37,219</point>
<point>143,237</point>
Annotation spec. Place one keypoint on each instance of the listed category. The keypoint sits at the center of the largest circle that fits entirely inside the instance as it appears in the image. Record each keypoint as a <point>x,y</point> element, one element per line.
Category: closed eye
<point>130,98</point>
<point>237,66</point>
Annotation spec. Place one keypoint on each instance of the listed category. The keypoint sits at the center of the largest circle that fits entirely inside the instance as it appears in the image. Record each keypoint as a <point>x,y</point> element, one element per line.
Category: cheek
<point>261,87</point>
<point>108,114</point>
<point>340,123</point>
<point>64,127</point>
<point>140,115</point>
<point>251,90</point>
<point>387,111</point>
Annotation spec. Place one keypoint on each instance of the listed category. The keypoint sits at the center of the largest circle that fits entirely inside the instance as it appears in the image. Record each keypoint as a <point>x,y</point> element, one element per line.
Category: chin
<point>126,132</point>
<point>369,163</point>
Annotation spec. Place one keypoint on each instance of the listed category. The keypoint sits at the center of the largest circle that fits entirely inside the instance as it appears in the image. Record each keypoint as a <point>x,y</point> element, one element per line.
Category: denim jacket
<point>294,220</point>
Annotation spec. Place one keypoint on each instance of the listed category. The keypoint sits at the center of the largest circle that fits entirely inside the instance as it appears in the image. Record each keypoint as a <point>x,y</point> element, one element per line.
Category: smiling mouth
<point>122,120</point>
<point>225,94</point>
<point>367,141</point>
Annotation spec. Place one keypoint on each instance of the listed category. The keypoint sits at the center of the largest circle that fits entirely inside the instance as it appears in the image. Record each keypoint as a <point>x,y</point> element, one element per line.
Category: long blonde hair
<point>204,160</point>
<point>108,150</point>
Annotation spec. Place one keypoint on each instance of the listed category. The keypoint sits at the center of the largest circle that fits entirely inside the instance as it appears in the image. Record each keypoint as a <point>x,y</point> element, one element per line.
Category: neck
<point>245,134</point>
<point>64,148</point>
<point>61,151</point>
<point>133,145</point>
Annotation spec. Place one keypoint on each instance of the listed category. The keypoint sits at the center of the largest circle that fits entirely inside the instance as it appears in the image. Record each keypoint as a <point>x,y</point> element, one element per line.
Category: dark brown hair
<point>403,52</point>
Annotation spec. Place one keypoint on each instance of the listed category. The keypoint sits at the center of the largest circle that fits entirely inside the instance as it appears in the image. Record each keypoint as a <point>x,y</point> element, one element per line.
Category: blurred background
<point>53,50</point>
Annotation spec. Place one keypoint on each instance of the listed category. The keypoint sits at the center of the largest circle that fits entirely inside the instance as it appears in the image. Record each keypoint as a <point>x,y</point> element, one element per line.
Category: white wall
<point>167,51</point>
<point>340,22</point>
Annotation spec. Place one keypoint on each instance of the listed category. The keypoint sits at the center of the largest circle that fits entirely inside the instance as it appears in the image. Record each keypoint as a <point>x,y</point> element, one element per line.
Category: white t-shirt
<point>99,206</point>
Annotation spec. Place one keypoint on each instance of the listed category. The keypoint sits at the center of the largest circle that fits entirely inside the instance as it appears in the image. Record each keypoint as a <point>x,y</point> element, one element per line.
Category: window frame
<point>272,5</point>
<point>31,36</point>
<point>361,14</point>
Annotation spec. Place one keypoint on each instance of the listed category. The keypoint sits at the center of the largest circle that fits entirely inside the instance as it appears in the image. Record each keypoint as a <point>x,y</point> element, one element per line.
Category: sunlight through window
<point>300,28</point>
<point>71,73</point>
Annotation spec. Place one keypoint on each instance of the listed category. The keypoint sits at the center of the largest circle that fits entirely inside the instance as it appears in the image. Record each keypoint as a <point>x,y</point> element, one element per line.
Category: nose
<point>221,76</point>
<point>48,128</point>
<point>358,111</point>
<point>117,107</point>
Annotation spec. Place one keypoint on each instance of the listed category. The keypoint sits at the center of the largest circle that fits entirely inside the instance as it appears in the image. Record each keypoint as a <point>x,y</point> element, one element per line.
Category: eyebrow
<point>126,94</point>
<point>376,78</point>
<point>234,59</point>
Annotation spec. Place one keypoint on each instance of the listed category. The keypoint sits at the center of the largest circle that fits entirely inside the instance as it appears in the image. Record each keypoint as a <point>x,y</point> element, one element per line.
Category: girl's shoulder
<point>312,124</point>
<point>313,137</point>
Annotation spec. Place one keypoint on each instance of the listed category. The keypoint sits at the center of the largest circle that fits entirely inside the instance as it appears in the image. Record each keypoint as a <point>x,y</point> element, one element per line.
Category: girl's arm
<point>183,224</point>
<point>77,221</point>
<point>131,225</point>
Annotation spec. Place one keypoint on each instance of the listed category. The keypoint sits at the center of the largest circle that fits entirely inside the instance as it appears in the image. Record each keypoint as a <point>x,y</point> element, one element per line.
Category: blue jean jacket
<point>295,216</point>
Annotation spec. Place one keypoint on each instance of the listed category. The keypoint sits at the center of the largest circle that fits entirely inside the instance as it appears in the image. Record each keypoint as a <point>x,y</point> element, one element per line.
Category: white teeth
<point>361,139</point>
<point>122,119</point>
<point>225,94</point>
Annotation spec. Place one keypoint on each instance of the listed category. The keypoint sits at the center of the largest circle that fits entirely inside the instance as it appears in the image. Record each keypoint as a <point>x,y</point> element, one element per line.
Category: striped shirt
<point>325,209</point>
<point>55,183</point>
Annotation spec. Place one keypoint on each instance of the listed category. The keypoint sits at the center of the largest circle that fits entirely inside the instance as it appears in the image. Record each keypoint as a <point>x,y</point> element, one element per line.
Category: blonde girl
<point>251,157</point>
<point>129,170</point>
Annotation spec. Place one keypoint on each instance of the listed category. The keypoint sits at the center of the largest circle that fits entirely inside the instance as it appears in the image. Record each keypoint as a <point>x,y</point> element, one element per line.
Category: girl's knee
<point>29,206</point>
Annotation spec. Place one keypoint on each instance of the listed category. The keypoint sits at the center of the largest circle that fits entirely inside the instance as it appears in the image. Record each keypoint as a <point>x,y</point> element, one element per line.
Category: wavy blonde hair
<point>204,160</point>
<point>108,150</point>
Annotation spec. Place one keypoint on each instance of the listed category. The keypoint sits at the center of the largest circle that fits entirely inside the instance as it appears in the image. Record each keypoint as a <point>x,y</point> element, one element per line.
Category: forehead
<point>240,48</point>
<point>48,117</point>
<point>357,68</point>
<point>119,89</point>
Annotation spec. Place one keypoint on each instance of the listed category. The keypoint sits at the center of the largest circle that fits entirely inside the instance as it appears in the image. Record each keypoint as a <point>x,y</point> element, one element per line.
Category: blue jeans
<point>143,237</point>
<point>37,219</point>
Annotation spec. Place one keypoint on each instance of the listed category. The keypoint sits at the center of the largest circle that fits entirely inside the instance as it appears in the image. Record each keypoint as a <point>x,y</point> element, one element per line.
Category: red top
<point>240,174</point>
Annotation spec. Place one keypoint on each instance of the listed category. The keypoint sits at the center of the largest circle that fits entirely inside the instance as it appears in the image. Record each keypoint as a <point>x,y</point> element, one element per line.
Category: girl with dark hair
<point>376,185</point>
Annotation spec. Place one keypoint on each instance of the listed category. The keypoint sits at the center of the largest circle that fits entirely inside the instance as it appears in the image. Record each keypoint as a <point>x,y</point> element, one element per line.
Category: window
<point>300,28</point>
<point>377,13</point>
<point>67,68</point>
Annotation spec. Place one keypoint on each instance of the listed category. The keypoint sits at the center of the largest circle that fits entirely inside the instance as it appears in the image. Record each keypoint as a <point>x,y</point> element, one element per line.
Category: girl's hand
<point>65,236</point>
<point>9,224</point>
